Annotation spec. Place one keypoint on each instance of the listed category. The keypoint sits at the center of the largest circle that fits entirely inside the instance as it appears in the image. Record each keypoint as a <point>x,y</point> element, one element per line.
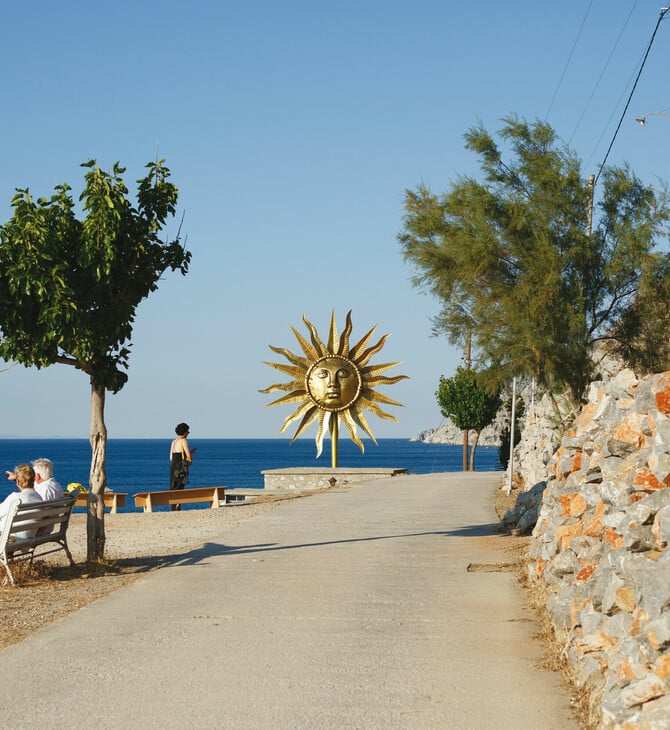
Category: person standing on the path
<point>181,457</point>
<point>45,484</point>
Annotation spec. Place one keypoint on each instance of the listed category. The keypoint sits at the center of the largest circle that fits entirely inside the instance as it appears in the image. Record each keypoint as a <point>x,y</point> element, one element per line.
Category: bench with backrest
<point>149,500</point>
<point>48,520</point>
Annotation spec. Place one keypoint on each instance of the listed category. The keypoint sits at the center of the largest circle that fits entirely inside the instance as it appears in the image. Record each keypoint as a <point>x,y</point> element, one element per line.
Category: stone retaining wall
<point>600,548</point>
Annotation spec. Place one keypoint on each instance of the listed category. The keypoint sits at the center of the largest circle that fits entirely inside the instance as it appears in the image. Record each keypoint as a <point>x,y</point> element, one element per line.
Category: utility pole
<point>511,437</point>
<point>589,204</point>
<point>468,365</point>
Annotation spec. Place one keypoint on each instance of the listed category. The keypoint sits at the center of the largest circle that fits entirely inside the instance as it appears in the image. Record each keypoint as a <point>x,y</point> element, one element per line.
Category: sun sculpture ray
<point>332,381</point>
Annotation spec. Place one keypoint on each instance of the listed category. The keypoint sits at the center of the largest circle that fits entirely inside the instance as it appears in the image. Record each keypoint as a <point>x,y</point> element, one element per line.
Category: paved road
<point>349,609</point>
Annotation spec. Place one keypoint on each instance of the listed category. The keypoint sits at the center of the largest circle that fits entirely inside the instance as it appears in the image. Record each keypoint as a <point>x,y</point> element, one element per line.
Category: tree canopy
<point>512,260</point>
<point>70,288</point>
<point>469,405</point>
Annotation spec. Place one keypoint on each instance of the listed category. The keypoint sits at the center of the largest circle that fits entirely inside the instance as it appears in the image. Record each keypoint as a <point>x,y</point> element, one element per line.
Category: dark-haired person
<point>25,481</point>
<point>181,457</point>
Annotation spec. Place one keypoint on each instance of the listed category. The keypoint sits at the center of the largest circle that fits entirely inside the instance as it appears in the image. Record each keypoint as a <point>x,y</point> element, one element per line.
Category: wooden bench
<point>113,500</point>
<point>48,520</point>
<point>149,500</point>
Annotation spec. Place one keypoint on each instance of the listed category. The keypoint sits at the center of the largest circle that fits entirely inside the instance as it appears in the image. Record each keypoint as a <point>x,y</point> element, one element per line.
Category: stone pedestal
<point>304,478</point>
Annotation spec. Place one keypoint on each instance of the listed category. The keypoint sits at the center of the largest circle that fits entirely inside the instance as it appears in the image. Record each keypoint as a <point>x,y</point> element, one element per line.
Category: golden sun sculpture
<point>333,381</point>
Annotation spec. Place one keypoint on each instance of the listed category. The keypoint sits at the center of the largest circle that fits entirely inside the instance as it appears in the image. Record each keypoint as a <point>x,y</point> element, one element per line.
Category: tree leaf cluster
<point>470,405</point>
<point>70,288</point>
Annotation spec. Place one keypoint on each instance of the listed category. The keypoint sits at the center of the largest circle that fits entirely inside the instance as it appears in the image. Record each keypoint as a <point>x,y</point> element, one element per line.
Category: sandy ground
<point>135,543</point>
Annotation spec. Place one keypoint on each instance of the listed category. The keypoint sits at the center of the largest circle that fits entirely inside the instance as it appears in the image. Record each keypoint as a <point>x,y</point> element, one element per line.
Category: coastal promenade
<point>352,608</point>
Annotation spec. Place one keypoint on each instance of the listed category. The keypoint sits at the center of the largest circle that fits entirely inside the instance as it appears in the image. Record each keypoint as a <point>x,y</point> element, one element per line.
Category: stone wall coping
<point>389,471</point>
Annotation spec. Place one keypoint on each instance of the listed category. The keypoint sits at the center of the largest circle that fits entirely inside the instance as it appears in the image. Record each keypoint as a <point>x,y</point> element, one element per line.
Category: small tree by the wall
<point>469,405</point>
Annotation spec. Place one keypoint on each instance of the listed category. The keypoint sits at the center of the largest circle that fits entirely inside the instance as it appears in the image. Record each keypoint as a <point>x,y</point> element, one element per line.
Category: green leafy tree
<point>511,260</point>
<point>69,288</point>
<point>469,405</point>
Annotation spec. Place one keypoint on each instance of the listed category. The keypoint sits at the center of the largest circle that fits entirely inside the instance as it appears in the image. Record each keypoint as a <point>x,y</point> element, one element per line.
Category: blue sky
<point>293,130</point>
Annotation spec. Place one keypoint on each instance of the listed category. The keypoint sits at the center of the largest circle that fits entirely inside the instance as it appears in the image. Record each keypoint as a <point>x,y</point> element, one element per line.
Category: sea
<point>136,465</point>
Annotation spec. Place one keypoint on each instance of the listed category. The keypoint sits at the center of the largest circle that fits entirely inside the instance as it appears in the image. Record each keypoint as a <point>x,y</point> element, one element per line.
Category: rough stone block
<point>661,527</point>
<point>639,539</point>
<point>566,533</point>
<point>617,626</point>
<point>654,714</point>
<point>658,632</point>
<point>625,598</point>
<point>642,690</point>
<point>612,584</point>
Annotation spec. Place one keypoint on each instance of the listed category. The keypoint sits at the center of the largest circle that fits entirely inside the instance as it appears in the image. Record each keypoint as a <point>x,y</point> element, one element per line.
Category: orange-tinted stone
<point>662,666</point>
<point>584,416</point>
<point>625,599</point>
<point>586,572</point>
<point>566,501</point>
<point>567,533</point>
<point>594,527</point>
<point>646,480</point>
<point>663,400</point>
<point>577,461</point>
<point>577,505</point>
<point>613,538</point>
<point>624,671</point>
<point>629,432</point>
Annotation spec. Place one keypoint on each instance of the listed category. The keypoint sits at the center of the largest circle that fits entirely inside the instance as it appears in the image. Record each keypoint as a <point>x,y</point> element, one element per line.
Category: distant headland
<point>447,433</point>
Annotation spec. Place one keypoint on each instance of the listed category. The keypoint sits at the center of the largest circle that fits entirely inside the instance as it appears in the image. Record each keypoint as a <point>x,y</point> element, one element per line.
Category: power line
<point>630,96</point>
<point>567,63</point>
<point>602,73</point>
<point>611,116</point>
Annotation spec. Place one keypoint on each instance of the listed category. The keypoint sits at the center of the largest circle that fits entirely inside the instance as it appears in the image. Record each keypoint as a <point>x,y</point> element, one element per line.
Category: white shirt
<point>24,496</point>
<point>49,489</point>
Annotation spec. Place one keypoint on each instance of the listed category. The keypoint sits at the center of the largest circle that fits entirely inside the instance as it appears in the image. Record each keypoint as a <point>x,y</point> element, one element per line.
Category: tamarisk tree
<point>514,260</point>
<point>69,288</point>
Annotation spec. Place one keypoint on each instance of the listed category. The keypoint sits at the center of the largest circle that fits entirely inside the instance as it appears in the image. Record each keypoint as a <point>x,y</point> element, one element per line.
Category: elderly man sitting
<point>45,484</point>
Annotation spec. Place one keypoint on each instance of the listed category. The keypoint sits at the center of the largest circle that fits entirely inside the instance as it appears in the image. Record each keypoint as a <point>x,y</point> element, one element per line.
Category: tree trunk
<point>472,452</point>
<point>465,450</point>
<point>95,521</point>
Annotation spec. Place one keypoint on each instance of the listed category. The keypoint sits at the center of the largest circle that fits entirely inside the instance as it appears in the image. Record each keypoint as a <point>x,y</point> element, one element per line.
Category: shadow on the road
<point>212,549</point>
<point>145,563</point>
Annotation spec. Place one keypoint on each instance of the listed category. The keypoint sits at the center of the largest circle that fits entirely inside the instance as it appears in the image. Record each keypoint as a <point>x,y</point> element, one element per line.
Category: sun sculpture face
<point>333,381</point>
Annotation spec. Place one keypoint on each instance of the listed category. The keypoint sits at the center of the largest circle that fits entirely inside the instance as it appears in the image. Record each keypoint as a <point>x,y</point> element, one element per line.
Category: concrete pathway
<point>349,609</point>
